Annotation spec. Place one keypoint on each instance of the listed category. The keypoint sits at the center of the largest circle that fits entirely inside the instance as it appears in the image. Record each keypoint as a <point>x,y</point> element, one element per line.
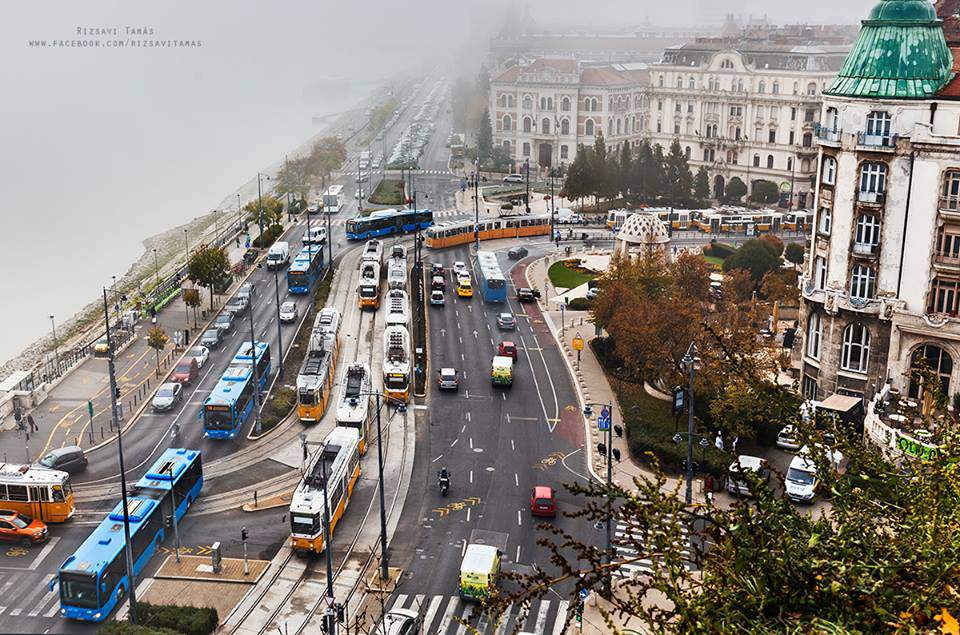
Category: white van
<point>566,216</point>
<point>802,479</point>
<point>736,483</point>
<point>316,235</point>
<point>278,256</point>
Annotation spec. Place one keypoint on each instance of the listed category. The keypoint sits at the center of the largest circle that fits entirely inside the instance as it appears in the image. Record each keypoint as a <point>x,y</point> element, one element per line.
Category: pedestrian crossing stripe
<point>625,533</point>
<point>446,615</point>
<point>28,594</point>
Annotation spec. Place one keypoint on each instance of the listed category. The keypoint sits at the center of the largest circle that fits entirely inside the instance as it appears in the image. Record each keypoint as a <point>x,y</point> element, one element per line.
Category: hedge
<point>114,627</point>
<point>579,304</point>
<point>270,235</point>
<point>719,250</point>
<point>189,620</point>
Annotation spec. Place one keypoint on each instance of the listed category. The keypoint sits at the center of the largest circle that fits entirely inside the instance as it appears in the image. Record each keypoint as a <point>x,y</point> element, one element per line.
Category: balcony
<point>896,425</point>
<point>950,207</point>
<point>871,198</point>
<point>810,290</point>
<point>875,142</point>
<point>866,250</point>
<point>946,262</point>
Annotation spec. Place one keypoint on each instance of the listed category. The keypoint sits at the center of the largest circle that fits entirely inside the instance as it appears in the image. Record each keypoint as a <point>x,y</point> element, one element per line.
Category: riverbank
<point>170,246</point>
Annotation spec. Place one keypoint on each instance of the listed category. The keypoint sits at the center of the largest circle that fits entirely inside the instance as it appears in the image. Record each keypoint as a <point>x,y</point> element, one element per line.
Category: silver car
<point>167,396</point>
<point>447,379</point>
<point>288,312</point>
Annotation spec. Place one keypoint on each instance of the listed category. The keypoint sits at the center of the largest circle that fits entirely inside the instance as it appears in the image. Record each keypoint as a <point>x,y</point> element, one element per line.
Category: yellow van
<point>480,567</point>
<point>501,372</point>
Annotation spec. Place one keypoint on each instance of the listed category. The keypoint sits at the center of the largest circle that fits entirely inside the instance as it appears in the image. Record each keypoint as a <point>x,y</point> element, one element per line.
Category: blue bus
<point>230,403</point>
<point>305,269</point>
<point>490,278</point>
<point>93,581</point>
<point>388,221</point>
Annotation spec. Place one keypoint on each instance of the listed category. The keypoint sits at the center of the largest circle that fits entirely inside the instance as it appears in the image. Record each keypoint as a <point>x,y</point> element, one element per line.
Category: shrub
<point>719,250</point>
<point>765,192</point>
<point>579,304</point>
<point>114,627</point>
<point>189,620</point>
<point>270,235</point>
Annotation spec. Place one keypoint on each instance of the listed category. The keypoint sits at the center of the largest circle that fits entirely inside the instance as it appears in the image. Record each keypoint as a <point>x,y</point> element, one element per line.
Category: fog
<point>102,147</point>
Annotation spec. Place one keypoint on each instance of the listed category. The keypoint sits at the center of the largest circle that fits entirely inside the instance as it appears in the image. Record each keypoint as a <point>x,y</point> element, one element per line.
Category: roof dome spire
<point>900,53</point>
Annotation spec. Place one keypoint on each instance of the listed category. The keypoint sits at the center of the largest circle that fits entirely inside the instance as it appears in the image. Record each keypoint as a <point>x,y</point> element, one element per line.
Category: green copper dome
<point>900,53</point>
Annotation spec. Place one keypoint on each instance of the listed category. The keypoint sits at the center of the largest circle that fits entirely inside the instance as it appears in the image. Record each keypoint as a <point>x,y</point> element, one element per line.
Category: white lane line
<point>561,617</point>
<point>400,601</point>
<point>491,341</point>
<point>462,358</point>
<point>536,383</point>
<point>468,514</point>
<point>512,447</point>
<point>517,559</point>
<point>44,552</point>
<point>471,477</point>
<point>454,442</point>
<point>461,339</point>
<point>519,519</point>
<point>463,429</point>
<point>432,612</point>
<point>467,415</point>
<point>516,479</point>
<point>508,417</point>
<point>502,626</point>
<point>542,616</point>
<point>437,459</point>
<point>504,395</point>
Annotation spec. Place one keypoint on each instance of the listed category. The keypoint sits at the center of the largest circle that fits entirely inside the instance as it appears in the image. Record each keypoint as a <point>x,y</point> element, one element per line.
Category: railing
<point>876,140</point>
<point>877,198</point>
<point>865,249</point>
<point>945,259</point>
<point>950,203</point>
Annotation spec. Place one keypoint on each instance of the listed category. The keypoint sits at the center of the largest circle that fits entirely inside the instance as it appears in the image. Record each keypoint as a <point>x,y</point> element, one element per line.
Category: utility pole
<point>56,347</point>
<point>128,549</point>
<point>260,205</point>
<point>256,368</point>
<point>276,288</point>
<point>384,557</point>
<point>328,548</point>
<point>173,500</point>
<point>689,361</point>
<point>476,205</point>
<point>526,166</point>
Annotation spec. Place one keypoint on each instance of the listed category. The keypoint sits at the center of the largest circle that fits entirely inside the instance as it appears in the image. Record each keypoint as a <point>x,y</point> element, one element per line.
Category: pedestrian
<point>248,241</point>
<point>238,241</point>
<point>32,423</point>
<point>718,442</point>
<point>734,445</point>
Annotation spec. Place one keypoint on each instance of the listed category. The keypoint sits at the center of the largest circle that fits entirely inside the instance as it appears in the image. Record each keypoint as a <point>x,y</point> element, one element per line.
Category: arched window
<point>565,104</point>
<point>691,83</point>
<point>503,101</point>
<point>527,124</point>
<point>863,283</point>
<point>506,146</point>
<point>756,160</point>
<point>814,333</point>
<point>543,103</point>
<point>588,128</point>
<point>796,88</point>
<point>619,123</point>
<point>679,81</point>
<point>549,103</point>
<point>855,354</point>
<point>610,127</point>
<point>776,88</point>
<point>511,101</point>
<point>770,161</point>
<point>829,170</point>
<point>565,126</point>
<point>762,88</point>
<point>812,89</point>
<point>930,359</point>
<point>807,140</point>
<point>507,123</point>
<point>527,102</point>
<point>545,126</point>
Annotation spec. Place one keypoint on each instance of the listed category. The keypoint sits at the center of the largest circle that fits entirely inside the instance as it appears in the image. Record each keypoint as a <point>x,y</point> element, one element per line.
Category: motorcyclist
<point>444,477</point>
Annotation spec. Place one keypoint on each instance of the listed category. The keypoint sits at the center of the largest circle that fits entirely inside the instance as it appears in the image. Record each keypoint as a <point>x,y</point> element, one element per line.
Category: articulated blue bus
<point>490,278</point>
<point>93,581</point>
<point>305,269</point>
<point>230,403</point>
<point>388,221</point>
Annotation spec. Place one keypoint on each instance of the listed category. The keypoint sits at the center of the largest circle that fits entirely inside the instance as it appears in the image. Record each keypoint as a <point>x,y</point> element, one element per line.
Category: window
<point>829,170</point>
<point>687,152</point>
<point>772,136</point>
<point>660,105</point>
<point>789,164</point>
<point>545,126</point>
<point>678,107</point>
<point>609,127</point>
<point>679,82</point>
<point>660,81</point>
<point>543,103</point>
<point>820,273</point>
<point>793,114</point>
<point>762,88</point>
<point>878,124</point>
<point>873,177</point>
<point>812,89</point>
<point>527,124</point>
<point>814,333</point>
<point>868,232</point>
<point>863,282</point>
<point>526,149</point>
<point>17,493</point>
<point>856,348</point>
<point>503,101</point>
<point>796,88</point>
<point>659,126</point>
<point>506,146</point>
<point>948,243</point>
<point>691,83</point>
<point>565,126</point>
<point>944,296</point>
<point>951,190</point>
<point>507,123</point>
<point>770,161</point>
<point>809,114</point>
<point>790,138</point>
<point>809,388</point>
<point>620,125</point>
<point>565,104</point>
<point>833,119</point>
<point>726,64</point>
<point>826,220</point>
<point>527,102</point>
<point>676,128</point>
<point>564,151</point>
<point>932,359</point>
<point>756,160</point>
<point>588,128</point>
<point>690,107</point>
<point>805,166</point>
<point>807,140</point>
<point>549,103</point>
<point>776,88</point>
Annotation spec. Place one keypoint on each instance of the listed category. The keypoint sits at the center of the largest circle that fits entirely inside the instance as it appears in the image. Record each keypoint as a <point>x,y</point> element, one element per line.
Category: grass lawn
<point>388,192</point>
<point>564,277</point>
<point>714,261</point>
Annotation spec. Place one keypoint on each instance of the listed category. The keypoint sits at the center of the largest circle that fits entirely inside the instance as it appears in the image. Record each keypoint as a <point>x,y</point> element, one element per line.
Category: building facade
<point>746,108</point>
<point>541,111</point>
<point>881,286</point>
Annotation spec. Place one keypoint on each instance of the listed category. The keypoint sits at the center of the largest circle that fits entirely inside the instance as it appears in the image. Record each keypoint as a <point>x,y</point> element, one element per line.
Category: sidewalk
<point>63,417</point>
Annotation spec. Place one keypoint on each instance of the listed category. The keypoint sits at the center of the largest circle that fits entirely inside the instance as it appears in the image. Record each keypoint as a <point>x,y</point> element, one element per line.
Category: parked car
<point>513,178</point>
<point>211,338</point>
<point>185,371</point>
<point>447,379</point>
<point>517,253</point>
<point>507,349</point>
<point>787,438</point>
<point>224,321</point>
<point>15,527</point>
<point>246,290</point>
<point>167,396</point>
<point>507,322</point>
<point>736,483</point>
<point>526,294</point>
<point>289,312</point>
<point>70,458</point>
<point>199,353</point>
<point>101,347</point>
<point>438,283</point>
<point>543,502</point>
<point>436,298</point>
<point>593,293</point>
<point>237,304</point>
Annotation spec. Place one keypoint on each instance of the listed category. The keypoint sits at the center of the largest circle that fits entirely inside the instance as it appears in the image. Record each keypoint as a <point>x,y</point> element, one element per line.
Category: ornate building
<point>541,111</point>
<point>746,106</point>
<point>881,286</point>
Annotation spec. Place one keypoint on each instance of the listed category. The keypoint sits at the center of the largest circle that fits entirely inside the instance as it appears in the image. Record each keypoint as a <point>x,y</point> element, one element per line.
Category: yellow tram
<point>36,492</point>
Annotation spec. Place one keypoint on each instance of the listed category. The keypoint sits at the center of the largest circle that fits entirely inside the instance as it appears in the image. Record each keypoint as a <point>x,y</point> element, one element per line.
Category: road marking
<point>53,609</point>
<point>461,339</point>
<point>561,617</point>
<point>508,417</point>
<point>536,383</point>
<point>519,518</point>
<point>471,477</point>
<point>44,552</point>
<point>463,429</point>
<point>542,616</point>
<point>462,358</point>
<point>516,479</point>
<point>517,559</point>
<point>491,341</point>
<point>468,514</point>
<point>400,601</point>
<point>467,415</point>
<point>471,443</point>
<point>437,459</point>
<point>504,395</point>
<point>462,630</point>
<point>432,610</point>
<point>512,446</point>
<point>463,547</point>
<point>454,442</point>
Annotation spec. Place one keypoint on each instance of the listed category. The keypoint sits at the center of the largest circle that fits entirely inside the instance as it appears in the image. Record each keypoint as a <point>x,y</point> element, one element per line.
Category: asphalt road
<point>497,443</point>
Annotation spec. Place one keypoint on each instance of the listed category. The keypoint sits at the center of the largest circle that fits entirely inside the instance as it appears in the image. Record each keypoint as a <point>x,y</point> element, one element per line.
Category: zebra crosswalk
<point>27,594</point>
<point>625,541</point>
<point>449,615</point>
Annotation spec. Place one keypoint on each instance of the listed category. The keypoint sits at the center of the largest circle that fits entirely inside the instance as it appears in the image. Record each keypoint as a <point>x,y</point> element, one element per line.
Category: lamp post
<point>327,544</point>
<point>123,475</point>
<point>260,177</point>
<point>476,205</point>
<point>156,267</point>
<point>56,348</point>
<point>689,363</point>
<point>256,370</point>
<point>239,214</point>
<point>526,168</point>
<point>276,289</point>
<point>605,424</point>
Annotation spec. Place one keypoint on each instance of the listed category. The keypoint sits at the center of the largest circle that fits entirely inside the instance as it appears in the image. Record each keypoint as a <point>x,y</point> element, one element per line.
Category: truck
<point>279,255</point>
<point>501,372</point>
<point>480,567</point>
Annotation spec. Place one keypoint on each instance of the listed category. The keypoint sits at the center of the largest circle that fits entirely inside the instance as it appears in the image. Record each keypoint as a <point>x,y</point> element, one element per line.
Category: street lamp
<point>476,204</point>
<point>56,348</point>
<point>256,370</point>
<point>260,178</point>
<point>156,267</point>
<point>526,168</point>
<point>605,424</point>
<point>689,363</point>
<point>276,288</point>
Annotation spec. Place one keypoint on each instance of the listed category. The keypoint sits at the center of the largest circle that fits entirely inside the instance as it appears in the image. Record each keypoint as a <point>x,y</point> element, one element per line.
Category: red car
<point>186,371</point>
<point>507,349</point>
<point>542,502</point>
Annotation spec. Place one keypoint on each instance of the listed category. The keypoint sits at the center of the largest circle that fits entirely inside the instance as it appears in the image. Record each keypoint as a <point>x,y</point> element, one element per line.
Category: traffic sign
<point>584,593</point>
<point>603,421</point>
<point>577,342</point>
<point>90,408</point>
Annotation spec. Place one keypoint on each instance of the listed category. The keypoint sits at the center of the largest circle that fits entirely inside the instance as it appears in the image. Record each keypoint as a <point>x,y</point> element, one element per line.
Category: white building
<point>881,287</point>
<point>745,108</point>
<point>541,111</point>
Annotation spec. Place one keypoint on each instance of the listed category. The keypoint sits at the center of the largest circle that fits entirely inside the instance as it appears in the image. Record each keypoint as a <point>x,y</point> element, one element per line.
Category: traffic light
<point>243,534</point>
<point>587,410</point>
<point>616,454</point>
<point>618,430</point>
<point>602,449</point>
<point>578,611</point>
<point>329,622</point>
<point>341,613</point>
